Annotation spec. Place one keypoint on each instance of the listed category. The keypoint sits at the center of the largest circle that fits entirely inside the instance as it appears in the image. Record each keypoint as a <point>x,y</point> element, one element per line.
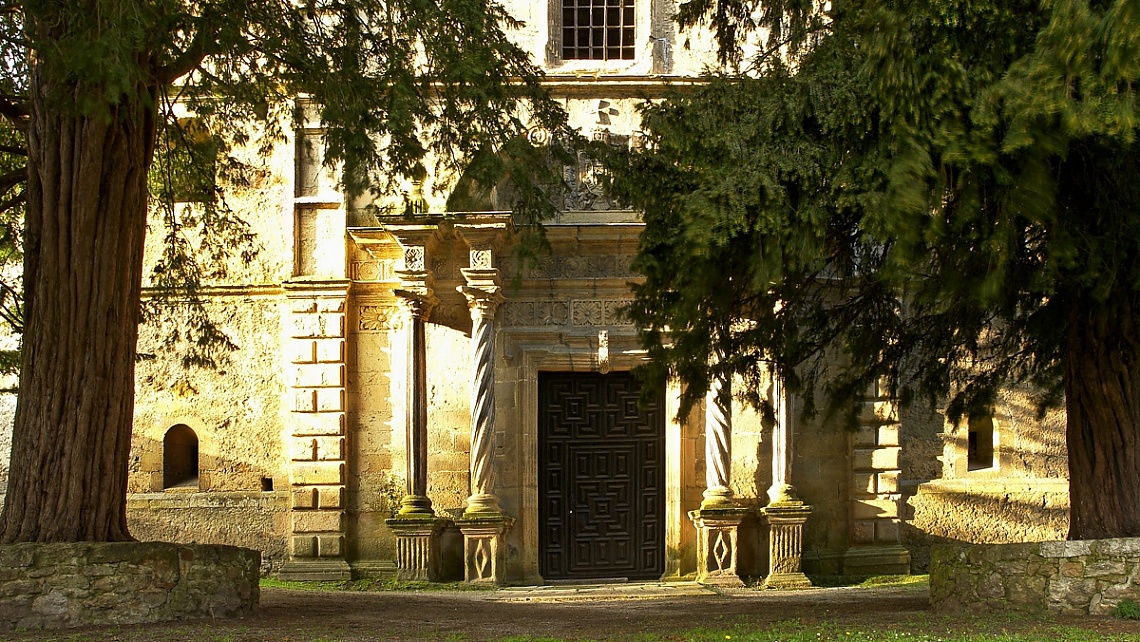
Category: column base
<point>417,546</point>
<point>483,547</point>
<point>717,544</point>
<point>786,581</point>
<point>415,506</point>
<point>785,544</point>
<point>316,570</point>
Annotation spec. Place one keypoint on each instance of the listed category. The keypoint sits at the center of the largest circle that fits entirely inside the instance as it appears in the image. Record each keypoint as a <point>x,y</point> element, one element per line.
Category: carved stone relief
<point>373,270</point>
<point>377,318</point>
<point>594,312</point>
<point>446,269</point>
<point>576,267</point>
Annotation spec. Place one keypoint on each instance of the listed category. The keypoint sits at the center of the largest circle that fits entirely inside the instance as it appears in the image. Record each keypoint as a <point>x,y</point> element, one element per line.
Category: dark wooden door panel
<point>601,479</point>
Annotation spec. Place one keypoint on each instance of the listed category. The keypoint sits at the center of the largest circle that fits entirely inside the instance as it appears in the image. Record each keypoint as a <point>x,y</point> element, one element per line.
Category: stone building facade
<point>405,400</point>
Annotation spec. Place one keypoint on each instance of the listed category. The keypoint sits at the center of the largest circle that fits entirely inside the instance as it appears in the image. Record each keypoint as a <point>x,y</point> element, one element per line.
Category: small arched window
<point>180,458</point>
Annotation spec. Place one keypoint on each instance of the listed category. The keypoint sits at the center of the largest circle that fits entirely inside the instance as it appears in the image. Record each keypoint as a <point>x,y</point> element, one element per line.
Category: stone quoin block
<point>330,399</point>
<point>888,482</point>
<point>330,304</point>
<point>304,400</point>
<point>863,484</point>
<point>875,509</point>
<point>302,351</point>
<point>319,375</point>
<point>329,350</point>
<point>330,545</point>
<point>304,545</point>
<point>329,473</point>
<point>317,521</point>
<point>317,448</point>
<point>314,424</point>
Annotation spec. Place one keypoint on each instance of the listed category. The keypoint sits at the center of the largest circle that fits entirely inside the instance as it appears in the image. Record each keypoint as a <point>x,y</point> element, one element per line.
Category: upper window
<point>597,29</point>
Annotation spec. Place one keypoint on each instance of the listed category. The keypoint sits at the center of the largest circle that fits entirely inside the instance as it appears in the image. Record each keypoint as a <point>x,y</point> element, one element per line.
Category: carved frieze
<point>373,270</point>
<point>576,267</point>
<point>535,313</point>
<point>588,312</point>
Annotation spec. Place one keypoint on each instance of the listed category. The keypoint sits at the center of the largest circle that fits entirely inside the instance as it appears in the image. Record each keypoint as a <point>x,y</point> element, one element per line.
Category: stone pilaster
<point>875,501</point>
<point>317,431</point>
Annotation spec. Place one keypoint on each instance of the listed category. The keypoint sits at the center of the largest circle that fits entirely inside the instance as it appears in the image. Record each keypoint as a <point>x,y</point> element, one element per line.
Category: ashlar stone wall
<point>1084,577</point>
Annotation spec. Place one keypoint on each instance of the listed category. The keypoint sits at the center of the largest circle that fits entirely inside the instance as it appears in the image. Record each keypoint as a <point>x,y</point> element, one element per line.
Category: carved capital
<point>482,301</point>
<point>417,302</point>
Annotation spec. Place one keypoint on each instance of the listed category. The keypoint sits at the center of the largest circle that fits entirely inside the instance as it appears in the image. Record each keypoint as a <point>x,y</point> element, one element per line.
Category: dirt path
<point>575,613</point>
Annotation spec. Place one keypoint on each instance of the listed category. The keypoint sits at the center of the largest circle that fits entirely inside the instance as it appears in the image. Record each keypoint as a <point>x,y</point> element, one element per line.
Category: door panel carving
<point>601,478</point>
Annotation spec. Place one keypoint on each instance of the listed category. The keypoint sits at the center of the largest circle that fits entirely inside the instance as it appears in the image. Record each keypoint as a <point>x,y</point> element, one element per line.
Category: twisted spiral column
<point>483,303</point>
<point>718,445</point>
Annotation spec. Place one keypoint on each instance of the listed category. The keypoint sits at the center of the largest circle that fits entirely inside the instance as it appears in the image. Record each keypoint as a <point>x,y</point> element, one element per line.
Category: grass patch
<point>373,584</point>
<point>791,632</point>
<point>832,581</point>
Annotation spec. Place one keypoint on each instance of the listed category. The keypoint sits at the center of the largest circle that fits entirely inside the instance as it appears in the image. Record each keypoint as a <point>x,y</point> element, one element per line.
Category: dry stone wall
<point>62,585</point>
<point>1089,577</point>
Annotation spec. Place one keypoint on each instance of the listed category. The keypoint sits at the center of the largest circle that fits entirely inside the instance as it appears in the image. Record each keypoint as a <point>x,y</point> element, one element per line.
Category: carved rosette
<point>718,445</point>
<point>483,302</point>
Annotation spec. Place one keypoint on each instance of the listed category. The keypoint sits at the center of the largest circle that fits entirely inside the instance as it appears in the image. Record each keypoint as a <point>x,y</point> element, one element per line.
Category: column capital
<point>417,301</point>
<point>483,301</point>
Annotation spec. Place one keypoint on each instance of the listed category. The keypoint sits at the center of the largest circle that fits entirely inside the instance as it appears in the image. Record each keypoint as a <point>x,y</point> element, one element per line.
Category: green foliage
<point>1127,609</point>
<point>395,85</point>
<point>927,188</point>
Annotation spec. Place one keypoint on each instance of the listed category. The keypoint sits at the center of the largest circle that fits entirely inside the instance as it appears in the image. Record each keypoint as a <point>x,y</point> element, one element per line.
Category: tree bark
<point>1102,394</point>
<point>86,223</point>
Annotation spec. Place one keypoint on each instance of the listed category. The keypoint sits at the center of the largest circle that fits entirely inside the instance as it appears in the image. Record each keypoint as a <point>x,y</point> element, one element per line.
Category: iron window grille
<point>597,29</point>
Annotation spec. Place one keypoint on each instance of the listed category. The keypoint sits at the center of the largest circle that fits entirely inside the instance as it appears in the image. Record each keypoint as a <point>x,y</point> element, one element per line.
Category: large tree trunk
<point>1102,395</point>
<point>86,221</point>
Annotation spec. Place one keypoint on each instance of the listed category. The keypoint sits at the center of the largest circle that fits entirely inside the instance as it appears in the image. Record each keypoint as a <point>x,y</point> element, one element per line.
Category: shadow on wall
<point>942,515</point>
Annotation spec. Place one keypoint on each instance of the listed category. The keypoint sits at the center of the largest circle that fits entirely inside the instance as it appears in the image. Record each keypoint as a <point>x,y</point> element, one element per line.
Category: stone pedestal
<point>483,547</point>
<point>717,546</point>
<point>417,547</point>
<point>785,545</point>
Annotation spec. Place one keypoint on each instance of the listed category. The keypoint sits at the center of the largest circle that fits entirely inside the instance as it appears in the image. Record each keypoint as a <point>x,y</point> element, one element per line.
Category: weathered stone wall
<point>253,520</point>
<point>1091,576</point>
<point>63,585</point>
<point>237,410</point>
